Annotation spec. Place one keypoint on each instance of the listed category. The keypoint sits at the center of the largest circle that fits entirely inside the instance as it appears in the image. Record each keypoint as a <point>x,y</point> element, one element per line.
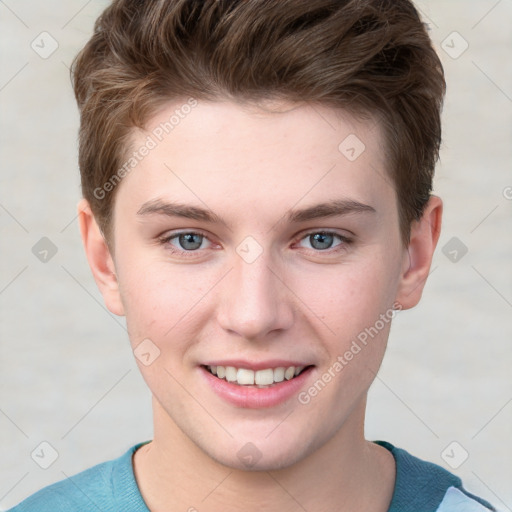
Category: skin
<point>252,166</point>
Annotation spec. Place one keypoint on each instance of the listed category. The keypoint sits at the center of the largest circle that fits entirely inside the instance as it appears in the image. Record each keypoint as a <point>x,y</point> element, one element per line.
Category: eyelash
<point>345,241</point>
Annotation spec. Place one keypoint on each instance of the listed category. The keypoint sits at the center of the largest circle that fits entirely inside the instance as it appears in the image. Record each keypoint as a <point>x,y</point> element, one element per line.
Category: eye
<point>190,242</point>
<point>323,240</point>
<point>184,241</point>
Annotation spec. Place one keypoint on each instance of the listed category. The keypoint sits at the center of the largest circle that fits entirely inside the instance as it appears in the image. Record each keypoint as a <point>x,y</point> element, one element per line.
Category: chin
<point>260,453</point>
<point>250,458</point>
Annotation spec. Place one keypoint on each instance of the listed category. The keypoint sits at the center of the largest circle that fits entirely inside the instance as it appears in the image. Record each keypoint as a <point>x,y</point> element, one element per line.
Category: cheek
<point>350,298</point>
<point>356,311</point>
<point>160,304</point>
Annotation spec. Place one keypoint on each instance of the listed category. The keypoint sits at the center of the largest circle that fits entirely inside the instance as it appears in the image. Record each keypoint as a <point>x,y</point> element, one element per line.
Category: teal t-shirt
<point>111,487</point>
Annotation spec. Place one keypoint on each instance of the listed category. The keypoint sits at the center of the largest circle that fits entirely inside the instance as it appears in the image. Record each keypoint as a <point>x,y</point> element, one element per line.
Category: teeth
<point>259,378</point>
<point>279,374</point>
<point>231,373</point>
<point>264,377</point>
<point>245,377</point>
<point>289,373</point>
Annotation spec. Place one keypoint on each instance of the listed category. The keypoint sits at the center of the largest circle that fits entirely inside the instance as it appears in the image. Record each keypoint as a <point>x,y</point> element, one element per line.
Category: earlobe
<point>424,237</point>
<point>99,258</point>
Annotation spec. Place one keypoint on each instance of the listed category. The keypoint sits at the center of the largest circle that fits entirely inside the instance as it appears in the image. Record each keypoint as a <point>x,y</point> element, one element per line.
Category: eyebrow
<point>175,209</point>
<point>332,208</point>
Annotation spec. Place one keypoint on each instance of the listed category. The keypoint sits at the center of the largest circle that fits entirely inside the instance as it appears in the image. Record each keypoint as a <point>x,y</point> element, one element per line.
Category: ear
<point>424,236</point>
<point>100,259</point>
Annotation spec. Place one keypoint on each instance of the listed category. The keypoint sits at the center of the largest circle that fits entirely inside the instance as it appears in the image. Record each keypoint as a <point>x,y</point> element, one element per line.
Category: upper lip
<point>253,365</point>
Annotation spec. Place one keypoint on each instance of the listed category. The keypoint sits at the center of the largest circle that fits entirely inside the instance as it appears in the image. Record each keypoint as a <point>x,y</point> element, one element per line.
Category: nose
<point>255,300</point>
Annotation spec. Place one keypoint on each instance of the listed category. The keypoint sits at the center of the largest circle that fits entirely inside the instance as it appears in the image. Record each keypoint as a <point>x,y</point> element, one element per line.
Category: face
<point>259,241</point>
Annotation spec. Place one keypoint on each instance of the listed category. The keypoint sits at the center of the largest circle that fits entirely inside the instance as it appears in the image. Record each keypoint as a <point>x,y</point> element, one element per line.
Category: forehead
<point>241,156</point>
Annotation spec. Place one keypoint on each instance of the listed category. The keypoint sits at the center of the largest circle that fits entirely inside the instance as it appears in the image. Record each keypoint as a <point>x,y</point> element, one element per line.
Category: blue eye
<point>192,243</point>
<point>323,240</point>
<point>189,241</point>
<point>184,242</point>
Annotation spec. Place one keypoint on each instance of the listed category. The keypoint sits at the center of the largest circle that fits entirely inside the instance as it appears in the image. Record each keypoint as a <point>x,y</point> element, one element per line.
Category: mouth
<point>256,385</point>
<point>264,378</point>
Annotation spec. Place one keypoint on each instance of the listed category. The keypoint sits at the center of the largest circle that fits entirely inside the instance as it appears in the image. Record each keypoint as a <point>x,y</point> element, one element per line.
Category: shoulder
<point>80,492</point>
<point>97,488</point>
<point>427,487</point>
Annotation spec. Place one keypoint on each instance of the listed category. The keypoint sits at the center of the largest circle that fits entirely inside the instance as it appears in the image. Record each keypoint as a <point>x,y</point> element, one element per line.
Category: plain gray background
<point>67,374</point>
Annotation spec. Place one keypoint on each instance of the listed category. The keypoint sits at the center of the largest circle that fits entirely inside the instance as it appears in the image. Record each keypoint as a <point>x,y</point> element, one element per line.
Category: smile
<point>255,378</point>
<point>255,385</point>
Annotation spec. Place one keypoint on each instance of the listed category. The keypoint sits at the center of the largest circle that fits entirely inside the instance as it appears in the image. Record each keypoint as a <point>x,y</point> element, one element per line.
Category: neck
<point>346,473</point>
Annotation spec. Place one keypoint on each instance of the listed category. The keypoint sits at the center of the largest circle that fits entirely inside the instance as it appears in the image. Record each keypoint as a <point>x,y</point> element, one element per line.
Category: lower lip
<point>252,397</point>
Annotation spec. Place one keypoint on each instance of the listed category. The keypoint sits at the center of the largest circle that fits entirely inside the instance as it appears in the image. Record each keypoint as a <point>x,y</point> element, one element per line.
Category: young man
<point>257,182</point>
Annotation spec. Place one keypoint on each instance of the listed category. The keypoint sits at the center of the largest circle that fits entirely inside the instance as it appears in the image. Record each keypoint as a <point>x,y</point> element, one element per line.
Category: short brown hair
<point>365,56</point>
